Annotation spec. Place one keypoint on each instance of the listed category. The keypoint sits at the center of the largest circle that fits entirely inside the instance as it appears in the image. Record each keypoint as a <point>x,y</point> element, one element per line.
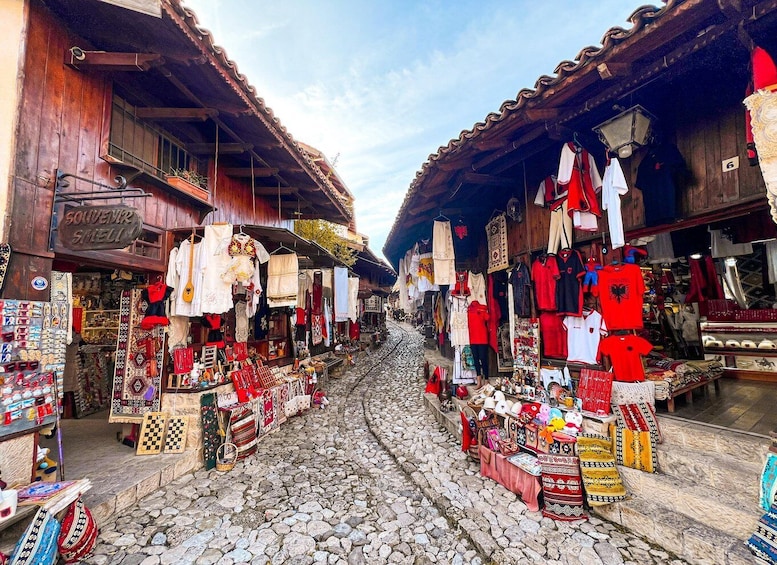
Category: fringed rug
<point>640,417</point>
<point>210,429</point>
<point>603,484</point>
<point>562,487</point>
<point>137,377</point>
<point>635,449</point>
<point>763,543</point>
<point>496,233</point>
<point>242,425</point>
<point>769,481</point>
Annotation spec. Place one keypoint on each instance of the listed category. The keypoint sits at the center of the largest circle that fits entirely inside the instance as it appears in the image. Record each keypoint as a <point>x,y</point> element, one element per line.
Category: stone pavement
<point>370,479</point>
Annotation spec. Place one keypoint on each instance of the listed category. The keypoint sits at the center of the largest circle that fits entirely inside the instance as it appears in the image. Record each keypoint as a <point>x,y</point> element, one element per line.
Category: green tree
<point>325,234</point>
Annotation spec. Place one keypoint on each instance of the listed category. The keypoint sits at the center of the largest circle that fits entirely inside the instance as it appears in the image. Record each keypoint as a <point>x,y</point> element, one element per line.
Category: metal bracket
<point>120,191</point>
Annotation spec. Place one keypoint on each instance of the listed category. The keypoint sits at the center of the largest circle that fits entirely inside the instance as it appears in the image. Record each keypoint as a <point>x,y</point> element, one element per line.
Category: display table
<point>496,466</point>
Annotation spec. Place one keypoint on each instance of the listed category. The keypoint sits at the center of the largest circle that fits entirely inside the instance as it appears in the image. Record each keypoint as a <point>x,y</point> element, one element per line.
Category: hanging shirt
<point>553,336</point>
<point>625,353</point>
<point>569,288</point>
<point>621,290</point>
<point>544,274</point>
<point>577,171</point>
<point>550,194</point>
<point>656,176</point>
<point>520,279</point>
<point>477,317</point>
<point>613,187</point>
<point>477,287</point>
<point>583,336</point>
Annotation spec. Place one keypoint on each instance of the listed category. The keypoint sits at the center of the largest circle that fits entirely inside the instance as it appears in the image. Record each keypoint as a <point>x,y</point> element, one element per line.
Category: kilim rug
<point>763,543</point>
<point>562,487</point>
<point>769,481</point>
<point>603,484</point>
<point>242,427</point>
<point>136,381</point>
<point>210,429</point>
<point>496,233</point>
<point>594,389</point>
<point>635,449</point>
<point>639,417</point>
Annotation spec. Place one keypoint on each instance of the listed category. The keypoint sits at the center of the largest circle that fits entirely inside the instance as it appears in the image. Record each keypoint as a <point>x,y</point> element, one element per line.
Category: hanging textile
<point>496,234</point>
<point>215,260</point>
<point>613,187</point>
<point>443,254</point>
<point>282,275</point>
<point>341,294</point>
<point>353,298</point>
<point>139,355</point>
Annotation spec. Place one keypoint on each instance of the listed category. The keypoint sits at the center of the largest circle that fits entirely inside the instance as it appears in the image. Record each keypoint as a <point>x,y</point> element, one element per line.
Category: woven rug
<point>633,393</point>
<point>594,389</point>
<point>136,382</point>
<point>496,233</point>
<point>769,481</point>
<point>763,543</point>
<point>210,429</point>
<point>562,487</point>
<point>635,449</point>
<point>639,417</point>
<point>603,484</point>
<point>243,431</point>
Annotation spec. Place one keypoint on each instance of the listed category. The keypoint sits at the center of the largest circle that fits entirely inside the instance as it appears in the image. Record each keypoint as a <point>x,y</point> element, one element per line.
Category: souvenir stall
<point>250,330</point>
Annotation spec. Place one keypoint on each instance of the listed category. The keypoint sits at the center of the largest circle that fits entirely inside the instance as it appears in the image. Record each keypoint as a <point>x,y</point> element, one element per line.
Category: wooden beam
<point>525,138</point>
<point>224,148</point>
<point>176,114</point>
<point>420,209</point>
<point>541,114</point>
<point>104,61</point>
<point>487,180</point>
<point>274,190</point>
<point>609,70</point>
<point>247,171</point>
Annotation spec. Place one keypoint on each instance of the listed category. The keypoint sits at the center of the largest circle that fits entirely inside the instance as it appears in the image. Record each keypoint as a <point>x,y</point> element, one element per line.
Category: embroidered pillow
<point>639,417</point>
<point>78,534</point>
<point>38,544</point>
<point>631,393</point>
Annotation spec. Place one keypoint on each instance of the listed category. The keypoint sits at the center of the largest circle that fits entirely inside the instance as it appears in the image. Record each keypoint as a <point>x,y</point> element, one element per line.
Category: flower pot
<point>190,188</point>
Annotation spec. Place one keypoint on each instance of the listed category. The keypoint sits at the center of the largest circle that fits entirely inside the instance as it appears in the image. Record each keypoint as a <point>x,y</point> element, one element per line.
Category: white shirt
<point>583,336</point>
<point>613,187</point>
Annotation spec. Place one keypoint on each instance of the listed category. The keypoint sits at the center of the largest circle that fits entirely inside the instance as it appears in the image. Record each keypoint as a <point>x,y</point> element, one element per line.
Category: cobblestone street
<point>370,479</point>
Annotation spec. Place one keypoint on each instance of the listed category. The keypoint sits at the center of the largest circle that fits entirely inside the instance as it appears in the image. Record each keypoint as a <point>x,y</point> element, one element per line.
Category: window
<point>137,143</point>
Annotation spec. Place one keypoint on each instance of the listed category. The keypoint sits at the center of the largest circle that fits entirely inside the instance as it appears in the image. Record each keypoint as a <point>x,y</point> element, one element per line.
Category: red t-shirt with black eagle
<point>620,294</point>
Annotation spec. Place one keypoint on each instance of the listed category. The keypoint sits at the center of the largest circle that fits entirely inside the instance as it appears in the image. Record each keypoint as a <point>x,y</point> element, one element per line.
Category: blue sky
<point>380,86</point>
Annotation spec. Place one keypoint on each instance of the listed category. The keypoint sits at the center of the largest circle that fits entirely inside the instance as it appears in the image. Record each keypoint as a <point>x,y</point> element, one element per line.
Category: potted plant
<point>188,181</point>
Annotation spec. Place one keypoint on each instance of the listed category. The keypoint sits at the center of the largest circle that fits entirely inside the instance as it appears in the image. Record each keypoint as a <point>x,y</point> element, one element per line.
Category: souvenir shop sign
<point>86,228</point>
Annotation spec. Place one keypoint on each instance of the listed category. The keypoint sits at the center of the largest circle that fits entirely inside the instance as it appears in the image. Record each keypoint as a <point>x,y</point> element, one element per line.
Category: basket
<point>226,457</point>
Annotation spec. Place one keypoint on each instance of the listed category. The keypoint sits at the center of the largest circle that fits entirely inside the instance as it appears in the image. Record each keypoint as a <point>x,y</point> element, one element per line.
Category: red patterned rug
<point>562,487</point>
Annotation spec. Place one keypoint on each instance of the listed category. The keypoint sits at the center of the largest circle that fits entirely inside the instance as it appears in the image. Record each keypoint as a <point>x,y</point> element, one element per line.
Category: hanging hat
<point>764,69</point>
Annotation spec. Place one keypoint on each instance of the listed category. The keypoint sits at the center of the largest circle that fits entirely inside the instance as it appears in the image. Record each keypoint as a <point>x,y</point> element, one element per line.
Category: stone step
<point>706,438</point>
<point>694,541</point>
<point>697,501</point>
<point>739,478</point>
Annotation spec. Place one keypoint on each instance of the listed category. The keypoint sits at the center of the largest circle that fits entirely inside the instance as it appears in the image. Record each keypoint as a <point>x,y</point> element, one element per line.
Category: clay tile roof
<point>640,18</point>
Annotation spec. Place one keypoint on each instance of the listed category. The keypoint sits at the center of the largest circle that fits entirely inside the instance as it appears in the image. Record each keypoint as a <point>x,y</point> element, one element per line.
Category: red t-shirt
<point>553,335</point>
<point>477,321</point>
<point>620,294</point>
<point>625,353</point>
<point>545,274</point>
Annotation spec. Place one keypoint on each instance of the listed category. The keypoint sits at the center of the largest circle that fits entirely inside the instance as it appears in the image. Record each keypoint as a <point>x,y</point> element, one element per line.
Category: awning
<point>311,254</point>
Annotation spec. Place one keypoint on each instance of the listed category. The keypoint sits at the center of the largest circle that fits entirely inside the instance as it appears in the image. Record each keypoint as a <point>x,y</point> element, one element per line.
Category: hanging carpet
<point>496,233</point>
<point>603,484</point>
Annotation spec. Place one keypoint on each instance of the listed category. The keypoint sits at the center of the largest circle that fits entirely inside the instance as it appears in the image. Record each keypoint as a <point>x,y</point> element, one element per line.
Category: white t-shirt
<point>613,187</point>
<point>583,335</point>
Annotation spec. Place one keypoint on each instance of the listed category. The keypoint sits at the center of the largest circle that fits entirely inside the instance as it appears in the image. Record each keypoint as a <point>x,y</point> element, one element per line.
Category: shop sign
<point>86,228</point>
